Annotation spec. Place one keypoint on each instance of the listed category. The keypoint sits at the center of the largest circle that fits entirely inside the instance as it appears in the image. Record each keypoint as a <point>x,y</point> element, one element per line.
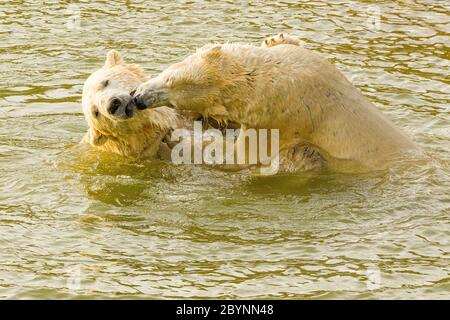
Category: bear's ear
<point>281,36</point>
<point>96,138</point>
<point>113,58</point>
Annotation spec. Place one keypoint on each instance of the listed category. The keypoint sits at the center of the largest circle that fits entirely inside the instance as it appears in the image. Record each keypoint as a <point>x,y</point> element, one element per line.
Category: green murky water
<point>75,223</point>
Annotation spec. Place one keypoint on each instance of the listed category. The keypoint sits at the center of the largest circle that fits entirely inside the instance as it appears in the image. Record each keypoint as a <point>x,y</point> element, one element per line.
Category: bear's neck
<point>245,70</point>
<point>252,86</point>
<point>144,140</point>
<point>135,144</point>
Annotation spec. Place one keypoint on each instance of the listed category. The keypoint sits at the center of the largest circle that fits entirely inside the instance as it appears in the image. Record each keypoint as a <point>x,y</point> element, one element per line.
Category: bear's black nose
<point>139,102</point>
<point>114,105</point>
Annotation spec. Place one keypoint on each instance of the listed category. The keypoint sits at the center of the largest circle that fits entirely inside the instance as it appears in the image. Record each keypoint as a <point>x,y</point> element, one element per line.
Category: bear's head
<point>198,83</point>
<point>107,103</point>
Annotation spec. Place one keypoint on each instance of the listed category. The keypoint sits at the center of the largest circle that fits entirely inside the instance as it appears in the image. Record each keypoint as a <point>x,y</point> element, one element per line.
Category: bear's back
<point>296,85</point>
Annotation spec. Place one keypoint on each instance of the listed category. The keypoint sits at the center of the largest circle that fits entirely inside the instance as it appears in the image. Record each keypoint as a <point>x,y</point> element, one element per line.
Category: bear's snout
<point>121,107</point>
<point>139,102</point>
<point>150,95</point>
<point>150,99</point>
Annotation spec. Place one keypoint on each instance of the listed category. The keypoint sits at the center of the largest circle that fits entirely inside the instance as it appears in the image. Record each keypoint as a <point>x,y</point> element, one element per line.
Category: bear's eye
<point>96,113</point>
<point>105,83</point>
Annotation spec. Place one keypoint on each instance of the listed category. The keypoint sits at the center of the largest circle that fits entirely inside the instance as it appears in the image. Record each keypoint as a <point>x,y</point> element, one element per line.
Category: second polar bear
<point>286,87</point>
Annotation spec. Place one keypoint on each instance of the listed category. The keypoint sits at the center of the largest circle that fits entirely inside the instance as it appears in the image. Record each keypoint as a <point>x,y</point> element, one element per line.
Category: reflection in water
<point>77,223</point>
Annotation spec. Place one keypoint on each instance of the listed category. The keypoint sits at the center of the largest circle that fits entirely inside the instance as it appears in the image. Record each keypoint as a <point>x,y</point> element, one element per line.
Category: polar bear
<point>115,125</point>
<point>286,87</point>
<point>281,38</point>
